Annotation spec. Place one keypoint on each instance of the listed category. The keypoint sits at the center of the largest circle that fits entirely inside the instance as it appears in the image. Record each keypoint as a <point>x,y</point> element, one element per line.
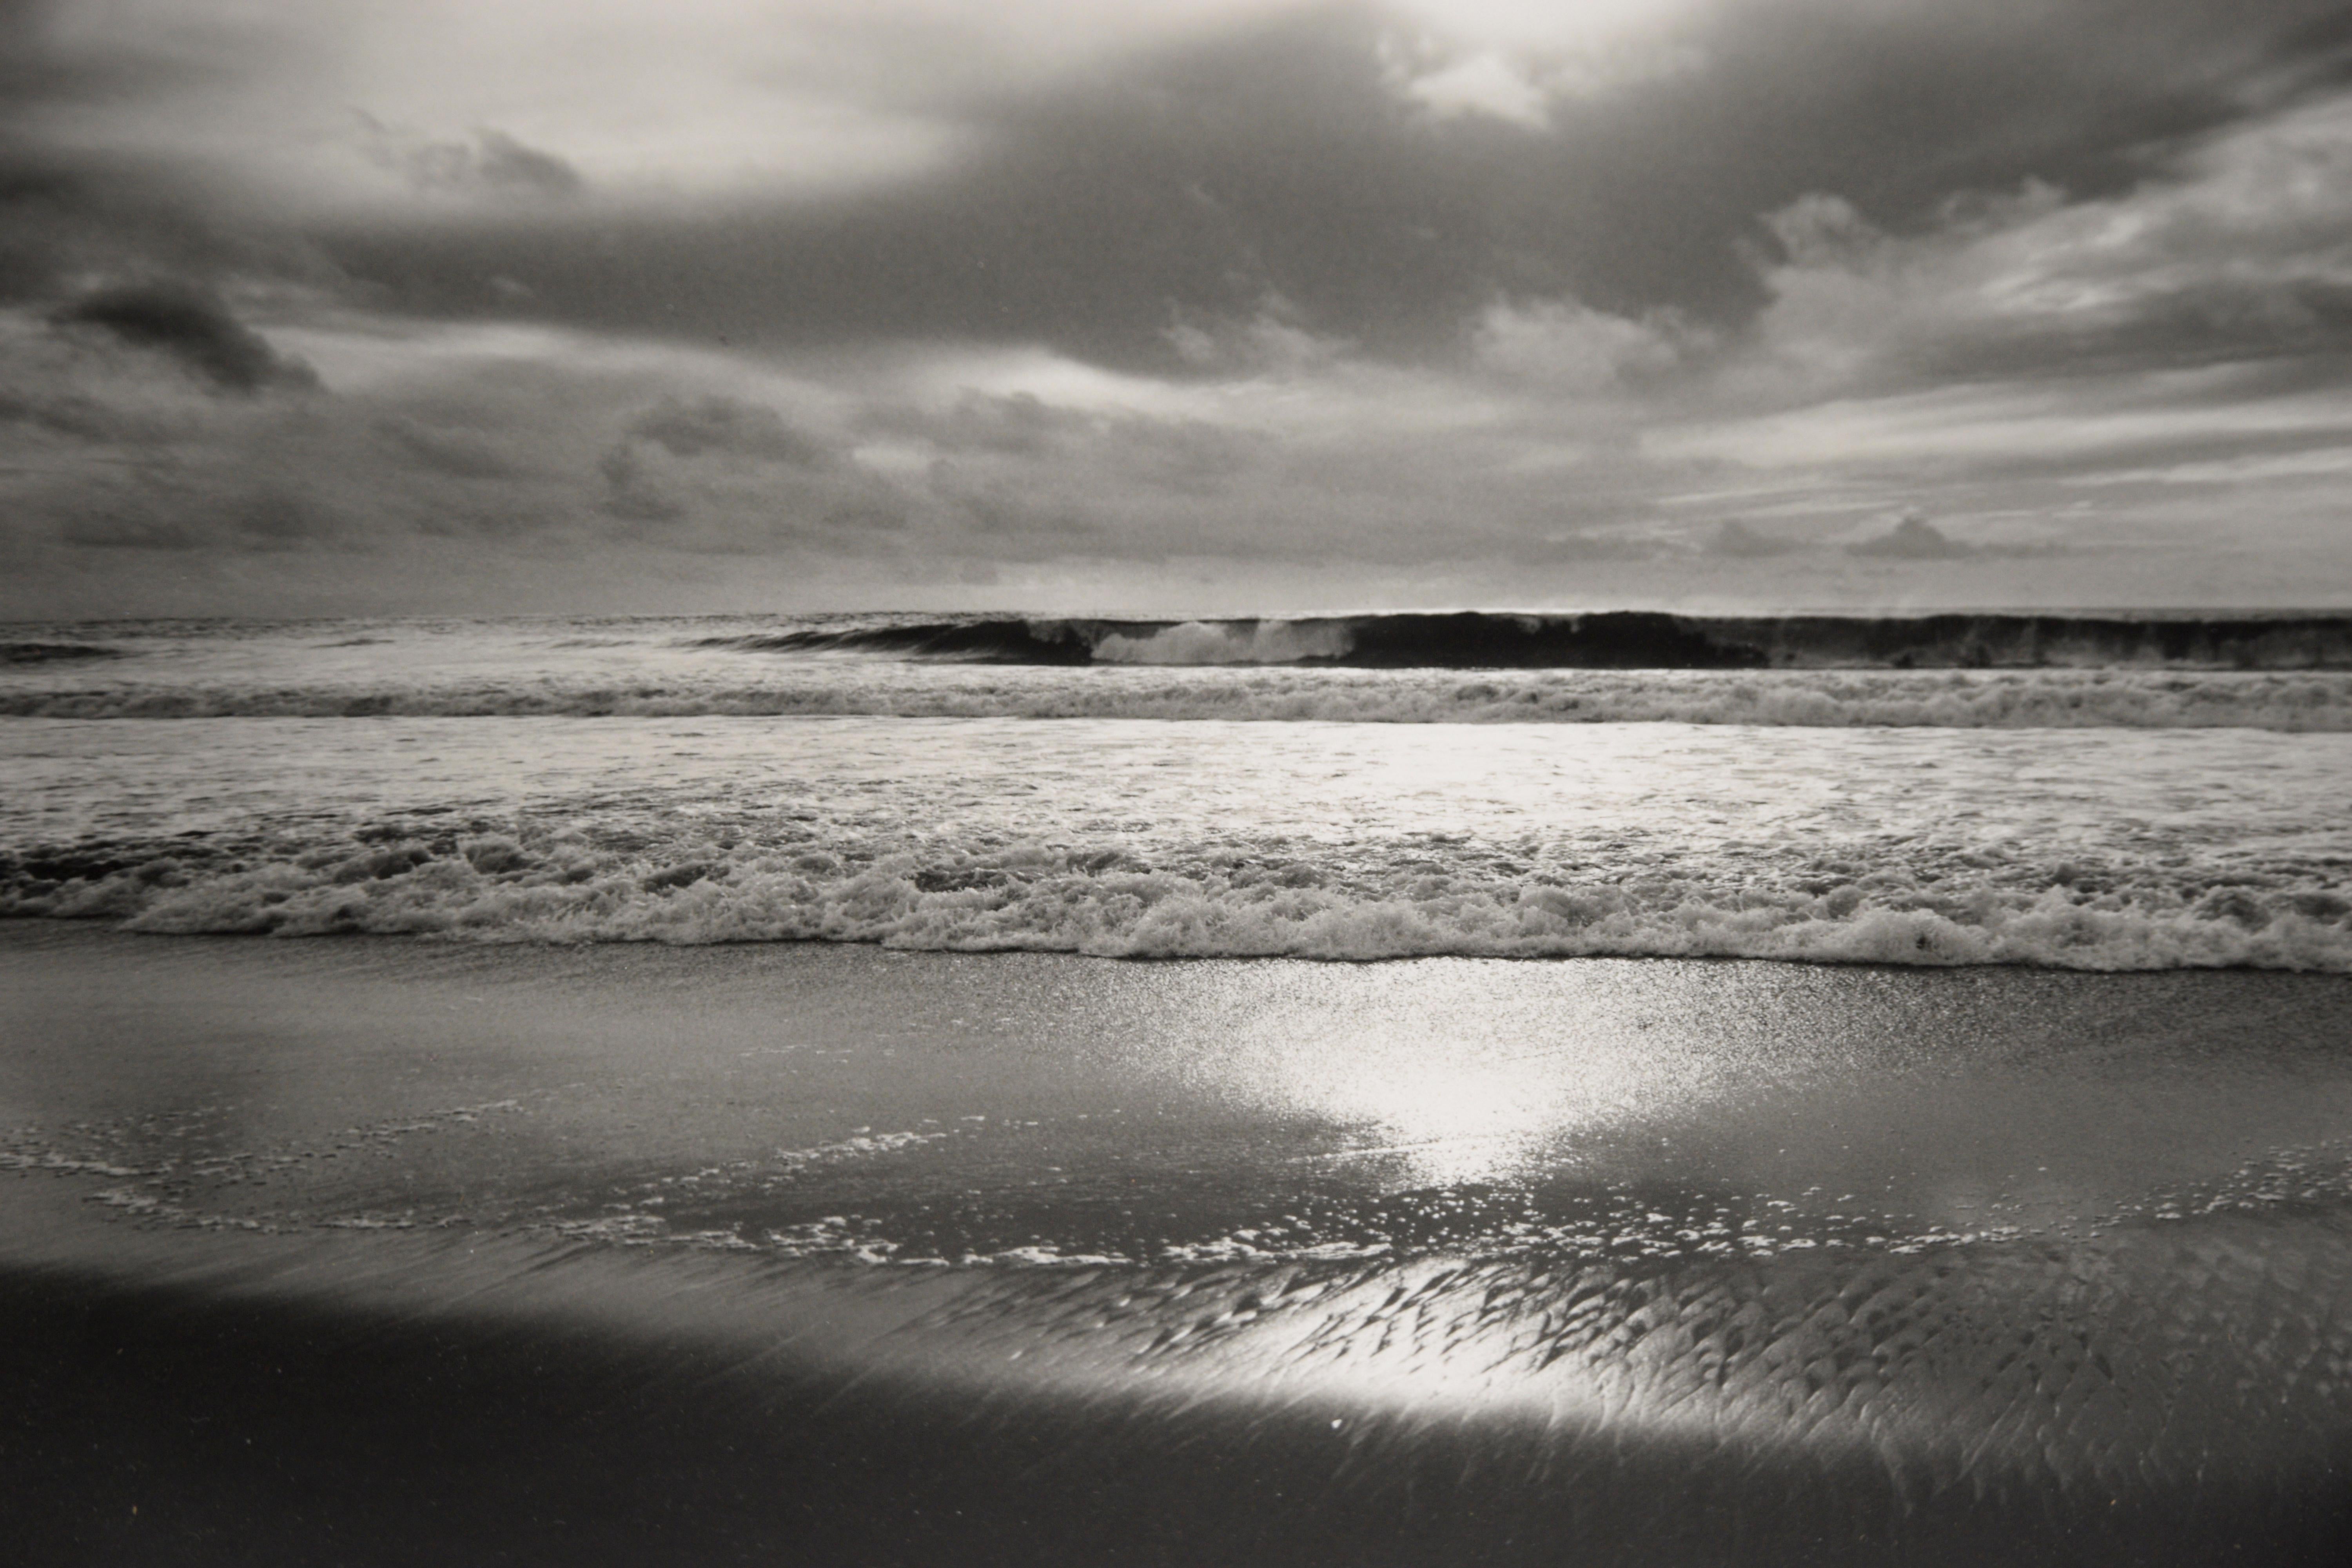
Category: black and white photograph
<point>1175,783</point>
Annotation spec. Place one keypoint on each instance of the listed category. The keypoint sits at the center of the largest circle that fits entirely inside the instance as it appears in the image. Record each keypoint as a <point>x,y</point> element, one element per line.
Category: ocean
<point>2089,793</point>
<point>1655,1089</point>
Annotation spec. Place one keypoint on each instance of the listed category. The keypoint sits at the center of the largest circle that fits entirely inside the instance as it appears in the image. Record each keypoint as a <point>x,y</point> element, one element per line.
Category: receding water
<point>1884,1262</point>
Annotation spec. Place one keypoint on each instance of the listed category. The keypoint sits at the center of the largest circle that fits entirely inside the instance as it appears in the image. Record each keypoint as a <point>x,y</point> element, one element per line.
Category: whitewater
<point>2103,793</point>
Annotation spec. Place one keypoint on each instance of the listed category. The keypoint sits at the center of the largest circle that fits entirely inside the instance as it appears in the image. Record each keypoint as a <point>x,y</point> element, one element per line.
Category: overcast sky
<point>314,306</point>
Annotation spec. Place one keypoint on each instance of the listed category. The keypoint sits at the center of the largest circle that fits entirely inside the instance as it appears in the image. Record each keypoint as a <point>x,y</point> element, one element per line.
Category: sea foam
<point>1402,901</point>
<point>2291,701</point>
<point>2099,848</point>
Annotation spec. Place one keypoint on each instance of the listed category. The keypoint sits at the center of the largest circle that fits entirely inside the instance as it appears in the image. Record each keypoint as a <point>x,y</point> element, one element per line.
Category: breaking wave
<point>54,652</point>
<point>1905,901</point>
<point>1614,640</point>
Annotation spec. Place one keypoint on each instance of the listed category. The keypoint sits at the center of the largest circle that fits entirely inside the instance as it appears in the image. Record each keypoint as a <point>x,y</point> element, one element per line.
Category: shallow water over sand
<point>1992,1251</point>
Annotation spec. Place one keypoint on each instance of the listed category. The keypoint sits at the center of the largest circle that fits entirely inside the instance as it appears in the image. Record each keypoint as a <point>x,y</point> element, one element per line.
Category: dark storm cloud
<point>156,512</point>
<point>33,72</point>
<point>499,163</point>
<point>630,493</point>
<point>720,474</point>
<point>275,519</point>
<point>1393,293</point>
<point>78,416</point>
<point>65,219</point>
<point>1090,221</point>
<point>460,454</point>
<point>191,324</point>
<point>66,211</point>
<point>1014,509</point>
<point>75,208</point>
<point>727,426</point>
<point>1740,543</point>
<point>1284,164</point>
<point>110,532</point>
<point>1913,538</point>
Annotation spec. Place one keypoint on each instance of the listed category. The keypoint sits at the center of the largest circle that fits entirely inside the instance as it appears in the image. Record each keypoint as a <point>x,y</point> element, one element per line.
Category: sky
<point>1172,306</point>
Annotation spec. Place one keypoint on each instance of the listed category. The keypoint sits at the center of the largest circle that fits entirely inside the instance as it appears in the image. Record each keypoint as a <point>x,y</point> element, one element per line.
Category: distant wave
<point>54,652</point>
<point>2040,699</point>
<point>1901,902</point>
<point>1617,640</point>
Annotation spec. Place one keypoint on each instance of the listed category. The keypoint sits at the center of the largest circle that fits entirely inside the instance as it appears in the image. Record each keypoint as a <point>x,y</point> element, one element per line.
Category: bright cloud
<point>2244,246</point>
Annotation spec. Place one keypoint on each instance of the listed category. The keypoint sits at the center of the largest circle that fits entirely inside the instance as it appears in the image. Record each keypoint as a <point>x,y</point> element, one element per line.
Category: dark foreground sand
<point>373,1251</point>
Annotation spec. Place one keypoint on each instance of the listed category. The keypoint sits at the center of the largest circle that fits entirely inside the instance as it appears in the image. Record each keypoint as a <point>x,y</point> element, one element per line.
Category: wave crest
<point>1473,639</point>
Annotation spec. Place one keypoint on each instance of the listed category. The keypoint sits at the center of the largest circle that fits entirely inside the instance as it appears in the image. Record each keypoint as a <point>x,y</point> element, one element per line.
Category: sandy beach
<point>366,1250</point>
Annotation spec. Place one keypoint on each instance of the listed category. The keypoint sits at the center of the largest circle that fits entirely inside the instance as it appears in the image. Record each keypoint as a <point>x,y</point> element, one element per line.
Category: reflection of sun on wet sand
<point>867,1256</point>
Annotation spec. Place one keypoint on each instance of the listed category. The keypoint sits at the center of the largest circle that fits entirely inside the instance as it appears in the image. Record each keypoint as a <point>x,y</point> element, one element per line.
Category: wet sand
<point>374,1250</point>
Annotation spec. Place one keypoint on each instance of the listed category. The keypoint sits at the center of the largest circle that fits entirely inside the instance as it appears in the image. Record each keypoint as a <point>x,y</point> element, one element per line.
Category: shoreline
<point>445,940</point>
<point>555,1254</point>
